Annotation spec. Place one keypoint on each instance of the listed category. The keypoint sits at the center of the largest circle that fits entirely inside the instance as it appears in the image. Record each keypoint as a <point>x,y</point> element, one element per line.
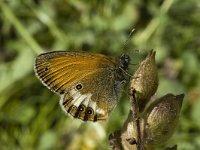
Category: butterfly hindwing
<point>91,98</point>
<point>82,106</point>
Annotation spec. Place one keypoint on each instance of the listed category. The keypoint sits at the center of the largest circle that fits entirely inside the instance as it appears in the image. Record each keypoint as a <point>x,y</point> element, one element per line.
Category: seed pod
<point>162,119</point>
<point>128,134</point>
<point>145,80</point>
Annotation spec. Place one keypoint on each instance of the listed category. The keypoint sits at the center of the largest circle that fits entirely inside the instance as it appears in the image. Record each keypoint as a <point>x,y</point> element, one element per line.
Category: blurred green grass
<point>30,117</point>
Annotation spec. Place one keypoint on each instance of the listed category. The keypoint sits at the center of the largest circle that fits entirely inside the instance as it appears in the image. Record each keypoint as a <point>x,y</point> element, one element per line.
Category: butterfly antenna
<point>127,40</point>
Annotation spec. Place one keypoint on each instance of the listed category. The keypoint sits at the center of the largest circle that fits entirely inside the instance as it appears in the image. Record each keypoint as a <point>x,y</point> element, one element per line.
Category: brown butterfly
<point>89,84</point>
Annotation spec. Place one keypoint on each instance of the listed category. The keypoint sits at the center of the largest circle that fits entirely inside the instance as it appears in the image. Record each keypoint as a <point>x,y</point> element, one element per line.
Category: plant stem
<point>136,118</point>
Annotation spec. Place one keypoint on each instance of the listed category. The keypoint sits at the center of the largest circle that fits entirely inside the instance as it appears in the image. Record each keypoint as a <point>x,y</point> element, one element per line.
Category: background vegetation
<point>30,116</point>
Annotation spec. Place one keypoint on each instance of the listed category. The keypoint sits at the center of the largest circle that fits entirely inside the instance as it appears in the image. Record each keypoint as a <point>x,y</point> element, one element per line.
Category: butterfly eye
<point>79,86</point>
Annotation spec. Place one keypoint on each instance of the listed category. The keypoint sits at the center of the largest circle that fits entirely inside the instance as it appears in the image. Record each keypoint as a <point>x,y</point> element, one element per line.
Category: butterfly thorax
<point>122,68</point>
<point>124,62</point>
<point>121,75</point>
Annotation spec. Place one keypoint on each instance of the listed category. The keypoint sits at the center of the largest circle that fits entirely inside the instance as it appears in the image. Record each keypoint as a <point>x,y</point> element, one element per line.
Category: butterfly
<point>89,84</point>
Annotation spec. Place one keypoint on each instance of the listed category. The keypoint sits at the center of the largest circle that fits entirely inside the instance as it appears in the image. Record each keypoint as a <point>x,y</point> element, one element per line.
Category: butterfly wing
<point>94,100</point>
<point>85,81</point>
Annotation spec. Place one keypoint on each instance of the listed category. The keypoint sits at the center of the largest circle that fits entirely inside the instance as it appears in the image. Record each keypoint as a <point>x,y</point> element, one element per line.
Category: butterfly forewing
<point>59,70</point>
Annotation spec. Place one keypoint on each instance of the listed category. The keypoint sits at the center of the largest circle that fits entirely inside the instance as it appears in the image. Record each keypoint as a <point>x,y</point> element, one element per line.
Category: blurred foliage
<point>30,116</point>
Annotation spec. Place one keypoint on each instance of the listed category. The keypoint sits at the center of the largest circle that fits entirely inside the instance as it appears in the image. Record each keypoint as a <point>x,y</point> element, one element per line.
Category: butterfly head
<point>124,62</point>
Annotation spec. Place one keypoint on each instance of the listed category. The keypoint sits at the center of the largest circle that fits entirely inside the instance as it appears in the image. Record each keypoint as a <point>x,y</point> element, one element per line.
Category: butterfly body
<point>89,84</point>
